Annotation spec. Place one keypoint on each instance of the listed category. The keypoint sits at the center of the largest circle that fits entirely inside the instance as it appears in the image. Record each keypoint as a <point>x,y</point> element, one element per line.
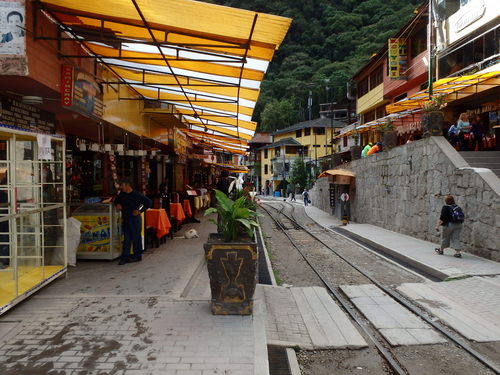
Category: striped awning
<point>206,60</point>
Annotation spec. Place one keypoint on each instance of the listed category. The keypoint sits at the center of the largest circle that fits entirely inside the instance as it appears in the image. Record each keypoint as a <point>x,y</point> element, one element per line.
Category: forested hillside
<point>327,43</point>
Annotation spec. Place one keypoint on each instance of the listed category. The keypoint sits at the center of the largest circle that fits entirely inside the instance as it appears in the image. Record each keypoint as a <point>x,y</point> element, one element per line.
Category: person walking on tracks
<point>131,203</point>
<point>451,220</point>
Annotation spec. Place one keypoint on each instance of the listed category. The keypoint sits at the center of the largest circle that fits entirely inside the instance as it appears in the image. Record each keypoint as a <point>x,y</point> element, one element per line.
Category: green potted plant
<point>432,116</point>
<point>232,256</point>
<point>389,134</point>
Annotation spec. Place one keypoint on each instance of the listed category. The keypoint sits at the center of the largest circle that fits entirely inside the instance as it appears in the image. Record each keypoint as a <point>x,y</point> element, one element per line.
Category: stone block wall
<point>403,190</point>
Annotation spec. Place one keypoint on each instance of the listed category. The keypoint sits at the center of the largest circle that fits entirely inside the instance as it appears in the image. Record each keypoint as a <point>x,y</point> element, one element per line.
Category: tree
<point>278,114</point>
<point>298,174</point>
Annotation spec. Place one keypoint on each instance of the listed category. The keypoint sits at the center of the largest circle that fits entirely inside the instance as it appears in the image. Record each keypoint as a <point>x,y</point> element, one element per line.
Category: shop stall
<point>32,213</point>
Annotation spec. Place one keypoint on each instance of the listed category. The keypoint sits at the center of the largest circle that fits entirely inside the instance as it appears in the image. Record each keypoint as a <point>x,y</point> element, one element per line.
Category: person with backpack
<point>305,195</point>
<point>451,219</point>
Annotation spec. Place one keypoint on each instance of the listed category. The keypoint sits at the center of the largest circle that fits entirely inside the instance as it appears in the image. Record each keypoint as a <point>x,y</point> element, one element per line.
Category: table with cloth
<point>176,212</point>
<point>187,208</point>
<point>158,219</point>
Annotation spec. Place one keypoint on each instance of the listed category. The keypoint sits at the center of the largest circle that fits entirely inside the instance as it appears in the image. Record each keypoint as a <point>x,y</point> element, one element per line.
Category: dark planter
<point>356,152</point>
<point>390,139</point>
<point>432,123</point>
<point>232,269</point>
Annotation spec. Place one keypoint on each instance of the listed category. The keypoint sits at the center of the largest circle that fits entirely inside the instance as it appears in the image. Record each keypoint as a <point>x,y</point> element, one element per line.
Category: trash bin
<point>277,194</point>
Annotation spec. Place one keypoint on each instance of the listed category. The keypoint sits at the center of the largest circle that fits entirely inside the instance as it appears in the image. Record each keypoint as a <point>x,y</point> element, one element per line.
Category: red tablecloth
<point>187,208</point>
<point>177,212</point>
<point>158,219</point>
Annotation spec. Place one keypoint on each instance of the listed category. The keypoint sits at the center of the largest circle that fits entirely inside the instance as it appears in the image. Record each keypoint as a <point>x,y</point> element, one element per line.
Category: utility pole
<point>310,104</point>
<point>430,47</point>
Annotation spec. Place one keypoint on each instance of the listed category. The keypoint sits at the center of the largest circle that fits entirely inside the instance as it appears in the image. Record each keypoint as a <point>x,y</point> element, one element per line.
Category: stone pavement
<point>418,253</point>
<point>398,325</point>
<point>105,319</point>
<point>470,306</point>
<point>307,317</point>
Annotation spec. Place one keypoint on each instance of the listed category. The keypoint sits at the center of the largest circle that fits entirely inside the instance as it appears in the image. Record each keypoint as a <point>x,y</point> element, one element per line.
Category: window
<point>287,167</point>
<point>369,116</point>
<point>418,42</point>
<point>319,131</point>
<point>399,97</point>
<point>307,131</point>
<point>276,151</point>
<point>266,168</point>
<point>265,155</point>
<point>345,141</point>
<point>362,87</point>
<point>298,133</point>
<point>377,77</point>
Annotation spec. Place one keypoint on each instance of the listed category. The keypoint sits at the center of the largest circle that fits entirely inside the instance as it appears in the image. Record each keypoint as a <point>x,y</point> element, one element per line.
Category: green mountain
<point>327,43</point>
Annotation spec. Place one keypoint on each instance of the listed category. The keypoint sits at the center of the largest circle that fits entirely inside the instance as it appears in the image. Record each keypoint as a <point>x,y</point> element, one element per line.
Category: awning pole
<point>429,48</point>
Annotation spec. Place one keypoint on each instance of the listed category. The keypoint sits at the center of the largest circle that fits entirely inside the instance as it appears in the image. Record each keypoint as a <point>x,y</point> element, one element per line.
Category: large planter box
<point>232,268</point>
<point>432,123</point>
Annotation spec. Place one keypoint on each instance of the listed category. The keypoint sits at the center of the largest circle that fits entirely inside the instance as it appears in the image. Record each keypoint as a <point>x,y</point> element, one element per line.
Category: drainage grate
<point>278,360</point>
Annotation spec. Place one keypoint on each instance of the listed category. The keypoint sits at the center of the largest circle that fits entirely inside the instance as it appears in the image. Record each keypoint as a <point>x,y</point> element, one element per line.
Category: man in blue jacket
<point>131,203</point>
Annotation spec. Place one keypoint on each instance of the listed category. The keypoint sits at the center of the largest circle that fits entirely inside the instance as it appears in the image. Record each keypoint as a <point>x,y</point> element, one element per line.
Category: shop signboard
<point>86,92</point>
<point>398,58</point>
<point>95,234</point>
<point>24,116</point>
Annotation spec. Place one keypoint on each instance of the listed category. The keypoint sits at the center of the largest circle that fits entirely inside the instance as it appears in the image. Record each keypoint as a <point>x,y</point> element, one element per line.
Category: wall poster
<point>12,34</point>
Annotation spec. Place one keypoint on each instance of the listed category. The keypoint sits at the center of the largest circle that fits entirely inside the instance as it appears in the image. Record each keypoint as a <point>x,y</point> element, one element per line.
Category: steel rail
<point>403,301</point>
<point>378,342</point>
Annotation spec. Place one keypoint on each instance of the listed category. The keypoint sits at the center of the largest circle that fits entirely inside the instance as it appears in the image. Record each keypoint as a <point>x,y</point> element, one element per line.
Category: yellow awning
<point>452,88</point>
<point>206,60</point>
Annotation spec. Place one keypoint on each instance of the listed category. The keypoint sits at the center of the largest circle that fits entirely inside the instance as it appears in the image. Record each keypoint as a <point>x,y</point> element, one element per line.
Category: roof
<point>321,122</point>
<point>262,138</point>
<point>206,60</point>
<point>282,142</point>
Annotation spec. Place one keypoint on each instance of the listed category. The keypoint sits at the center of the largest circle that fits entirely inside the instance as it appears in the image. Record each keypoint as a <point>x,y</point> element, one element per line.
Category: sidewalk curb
<point>293,364</point>
<point>411,261</point>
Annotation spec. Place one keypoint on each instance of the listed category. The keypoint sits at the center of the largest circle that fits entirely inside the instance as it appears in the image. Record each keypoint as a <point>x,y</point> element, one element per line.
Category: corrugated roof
<point>282,142</point>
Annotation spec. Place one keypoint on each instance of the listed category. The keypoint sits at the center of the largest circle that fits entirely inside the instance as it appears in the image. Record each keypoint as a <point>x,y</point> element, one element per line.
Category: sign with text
<point>398,58</point>
<point>80,91</point>
<point>19,115</point>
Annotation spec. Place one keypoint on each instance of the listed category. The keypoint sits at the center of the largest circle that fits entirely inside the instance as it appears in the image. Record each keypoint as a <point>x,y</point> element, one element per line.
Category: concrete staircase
<point>483,159</point>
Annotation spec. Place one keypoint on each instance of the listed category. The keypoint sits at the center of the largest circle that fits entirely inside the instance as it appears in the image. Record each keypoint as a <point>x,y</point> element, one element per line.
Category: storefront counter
<point>100,231</point>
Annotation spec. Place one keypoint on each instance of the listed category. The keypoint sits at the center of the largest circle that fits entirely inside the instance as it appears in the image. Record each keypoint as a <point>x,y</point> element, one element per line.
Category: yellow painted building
<point>309,140</point>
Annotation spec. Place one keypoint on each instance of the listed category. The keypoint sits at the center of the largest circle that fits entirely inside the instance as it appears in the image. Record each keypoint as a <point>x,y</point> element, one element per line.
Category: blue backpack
<point>457,214</point>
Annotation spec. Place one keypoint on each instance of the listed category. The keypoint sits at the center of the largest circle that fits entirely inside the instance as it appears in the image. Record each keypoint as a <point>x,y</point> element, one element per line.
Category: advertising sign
<point>398,58</point>
<point>80,91</point>
<point>24,116</point>
<point>12,27</point>
<point>95,234</point>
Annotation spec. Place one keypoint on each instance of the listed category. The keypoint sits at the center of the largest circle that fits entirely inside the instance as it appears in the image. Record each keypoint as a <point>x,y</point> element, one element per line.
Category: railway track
<point>286,221</point>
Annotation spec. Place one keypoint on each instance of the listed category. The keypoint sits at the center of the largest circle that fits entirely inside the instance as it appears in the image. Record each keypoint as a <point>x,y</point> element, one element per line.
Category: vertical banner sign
<point>398,58</point>
<point>144,180</point>
<point>67,85</point>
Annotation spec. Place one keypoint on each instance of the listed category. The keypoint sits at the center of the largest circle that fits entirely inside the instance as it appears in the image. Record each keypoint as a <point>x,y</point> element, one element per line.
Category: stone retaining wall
<point>403,189</point>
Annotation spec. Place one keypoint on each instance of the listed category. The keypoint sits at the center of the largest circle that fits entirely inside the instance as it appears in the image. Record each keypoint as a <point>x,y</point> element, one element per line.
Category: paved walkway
<point>398,325</point>
<point>105,319</point>
<point>416,252</point>
<point>470,306</point>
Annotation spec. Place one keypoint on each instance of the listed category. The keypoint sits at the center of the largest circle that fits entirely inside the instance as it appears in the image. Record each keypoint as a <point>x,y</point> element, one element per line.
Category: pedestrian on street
<point>305,194</point>
<point>366,149</point>
<point>451,221</point>
<point>292,192</point>
<point>464,131</point>
<point>131,203</point>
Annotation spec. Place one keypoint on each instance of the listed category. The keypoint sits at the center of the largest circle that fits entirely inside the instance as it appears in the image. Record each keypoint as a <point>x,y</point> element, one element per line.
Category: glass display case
<point>100,231</point>
<point>32,214</point>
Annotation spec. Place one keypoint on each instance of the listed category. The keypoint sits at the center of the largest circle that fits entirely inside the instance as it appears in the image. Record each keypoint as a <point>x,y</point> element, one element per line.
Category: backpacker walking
<point>451,220</point>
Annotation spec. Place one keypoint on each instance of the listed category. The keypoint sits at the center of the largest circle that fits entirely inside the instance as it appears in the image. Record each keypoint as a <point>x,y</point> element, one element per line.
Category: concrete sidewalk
<point>418,253</point>
<point>107,319</point>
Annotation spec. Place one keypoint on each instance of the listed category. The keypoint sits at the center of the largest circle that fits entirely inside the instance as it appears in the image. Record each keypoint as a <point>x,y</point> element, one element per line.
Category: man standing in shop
<point>131,203</point>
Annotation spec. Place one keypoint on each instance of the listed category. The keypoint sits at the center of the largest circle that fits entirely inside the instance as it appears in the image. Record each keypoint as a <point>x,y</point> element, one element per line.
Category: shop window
<point>377,77</point>
<point>418,42</point>
<point>319,131</point>
<point>298,133</point>
<point>266,169</point>
<point>307,131</point>
<point>363,87</point>
<point>265,154</point>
